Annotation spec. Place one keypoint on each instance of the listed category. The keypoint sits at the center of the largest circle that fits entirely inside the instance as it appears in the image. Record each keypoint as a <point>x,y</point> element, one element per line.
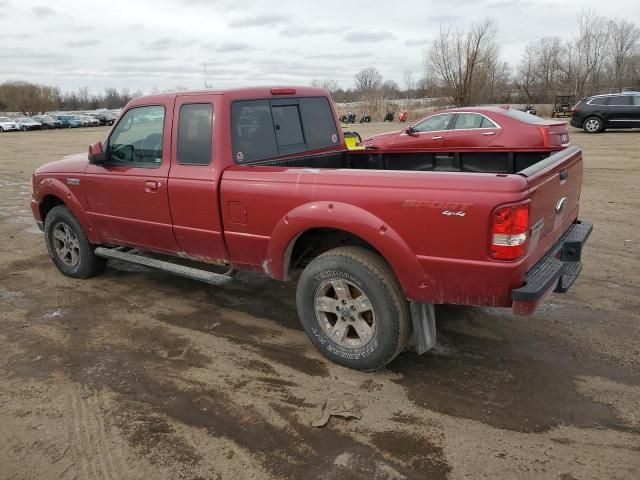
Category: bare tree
<point>456,57</point>
<point>540,74</point>
<point>409,82</point>
<point>624,39</point>
<point>590,47</point>
<point>367,80</point>
<point>330,85</point>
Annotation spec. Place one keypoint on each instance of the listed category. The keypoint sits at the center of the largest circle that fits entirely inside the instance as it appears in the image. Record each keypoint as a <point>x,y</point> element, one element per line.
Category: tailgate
<point>554,186</point>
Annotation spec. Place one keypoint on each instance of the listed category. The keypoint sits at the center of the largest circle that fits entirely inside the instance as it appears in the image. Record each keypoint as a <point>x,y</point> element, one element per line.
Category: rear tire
<point>353,309</point>
<point>68,246</point>
<point>593,125</point>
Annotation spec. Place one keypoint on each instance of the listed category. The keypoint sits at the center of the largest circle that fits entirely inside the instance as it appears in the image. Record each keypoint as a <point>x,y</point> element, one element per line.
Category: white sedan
<point>7,124</point>
<point>26,123</point>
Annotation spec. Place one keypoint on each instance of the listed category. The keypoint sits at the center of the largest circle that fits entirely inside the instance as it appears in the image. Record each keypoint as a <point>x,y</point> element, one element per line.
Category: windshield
<point>523,116</point>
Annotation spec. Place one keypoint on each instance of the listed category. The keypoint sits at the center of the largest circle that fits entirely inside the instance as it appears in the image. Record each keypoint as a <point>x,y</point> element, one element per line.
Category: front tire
<point>593,125</point>
<point>353,309</point>
<point>68,246</point>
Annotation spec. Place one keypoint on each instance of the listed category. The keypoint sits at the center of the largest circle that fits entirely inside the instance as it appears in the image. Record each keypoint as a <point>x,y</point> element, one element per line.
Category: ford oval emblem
<point>561,204</point>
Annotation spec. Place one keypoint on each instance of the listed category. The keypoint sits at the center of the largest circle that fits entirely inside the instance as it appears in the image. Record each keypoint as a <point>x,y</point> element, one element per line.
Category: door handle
<point>151,186</point>
<point>487,134</point>
<point>437,137</point>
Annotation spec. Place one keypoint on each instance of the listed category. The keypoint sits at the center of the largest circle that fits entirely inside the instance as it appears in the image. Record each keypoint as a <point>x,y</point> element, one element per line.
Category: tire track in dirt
<point>91,438</point>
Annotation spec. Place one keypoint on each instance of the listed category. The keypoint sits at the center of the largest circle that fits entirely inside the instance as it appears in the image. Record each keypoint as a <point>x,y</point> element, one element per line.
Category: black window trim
<point>213,117</point>
<point>115,125</point>
<point>279,102</point>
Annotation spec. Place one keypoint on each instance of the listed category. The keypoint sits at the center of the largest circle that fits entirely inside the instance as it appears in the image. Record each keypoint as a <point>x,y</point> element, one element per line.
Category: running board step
<point>180,270</point>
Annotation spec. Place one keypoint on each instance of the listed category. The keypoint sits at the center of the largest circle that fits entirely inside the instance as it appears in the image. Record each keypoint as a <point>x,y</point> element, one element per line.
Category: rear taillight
<point>545,135</point>
<point>509,236</point>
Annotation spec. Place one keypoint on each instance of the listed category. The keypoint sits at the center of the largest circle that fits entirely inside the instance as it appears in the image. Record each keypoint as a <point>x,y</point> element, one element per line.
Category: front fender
<point>59,189</point>
<point>351,219</point>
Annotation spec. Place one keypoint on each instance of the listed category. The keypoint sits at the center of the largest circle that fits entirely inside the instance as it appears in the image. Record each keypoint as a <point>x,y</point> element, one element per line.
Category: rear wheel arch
<point>353,226</point>
<point>314,242</point>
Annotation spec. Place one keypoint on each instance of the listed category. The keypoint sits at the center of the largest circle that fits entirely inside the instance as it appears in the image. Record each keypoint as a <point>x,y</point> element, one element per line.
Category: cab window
<point>264,129</point>
<point>137,139</point>
<point>434,124</point>
<point>195,129</point>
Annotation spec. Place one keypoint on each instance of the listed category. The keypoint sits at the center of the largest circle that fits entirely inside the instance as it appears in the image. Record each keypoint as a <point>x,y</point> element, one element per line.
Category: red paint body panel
<point>250,216</point>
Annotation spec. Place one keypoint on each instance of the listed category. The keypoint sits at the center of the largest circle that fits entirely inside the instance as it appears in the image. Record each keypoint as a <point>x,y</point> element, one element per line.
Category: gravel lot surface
<point>136,374</point>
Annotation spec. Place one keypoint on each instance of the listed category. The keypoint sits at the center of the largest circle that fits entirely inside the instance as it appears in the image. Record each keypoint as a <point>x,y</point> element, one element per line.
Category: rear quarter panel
<point>437,257</point>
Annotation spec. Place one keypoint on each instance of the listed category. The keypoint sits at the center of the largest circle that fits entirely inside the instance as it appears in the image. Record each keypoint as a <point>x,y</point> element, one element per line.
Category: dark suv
<point>596,114</point>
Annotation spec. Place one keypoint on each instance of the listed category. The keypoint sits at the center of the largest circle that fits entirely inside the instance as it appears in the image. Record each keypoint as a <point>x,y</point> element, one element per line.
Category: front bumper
<point>555,272</point>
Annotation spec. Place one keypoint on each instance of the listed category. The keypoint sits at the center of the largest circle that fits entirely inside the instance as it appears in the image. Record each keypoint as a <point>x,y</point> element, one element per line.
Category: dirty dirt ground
<point>138,375</point>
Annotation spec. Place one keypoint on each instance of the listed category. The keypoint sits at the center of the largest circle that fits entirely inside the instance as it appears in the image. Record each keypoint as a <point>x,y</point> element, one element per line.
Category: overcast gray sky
<point>144,44</point>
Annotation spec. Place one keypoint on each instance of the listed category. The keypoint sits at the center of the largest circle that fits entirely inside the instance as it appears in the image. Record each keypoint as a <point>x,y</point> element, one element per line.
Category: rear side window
<point>268,128</point>
<point>194,134</point>
<point>598,101</point>
<point>636,100</point>
<point>466,121</point>
<point>620,100</point>
<point>486,123</point>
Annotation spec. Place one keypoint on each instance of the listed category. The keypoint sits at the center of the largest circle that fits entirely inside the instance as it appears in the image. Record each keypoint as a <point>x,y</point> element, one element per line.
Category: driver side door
<point>127,195</point>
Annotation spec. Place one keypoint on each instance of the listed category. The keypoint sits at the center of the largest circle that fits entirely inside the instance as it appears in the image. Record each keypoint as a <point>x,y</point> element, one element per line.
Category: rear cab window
<point>263,129</point>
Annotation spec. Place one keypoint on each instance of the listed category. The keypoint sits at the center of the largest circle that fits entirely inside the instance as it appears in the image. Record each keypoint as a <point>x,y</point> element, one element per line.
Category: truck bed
<point>463,161</point>
<point>441,215</point>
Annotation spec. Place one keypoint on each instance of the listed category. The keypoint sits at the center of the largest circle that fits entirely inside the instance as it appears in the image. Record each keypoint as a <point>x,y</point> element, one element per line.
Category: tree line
<point>465,66</point>
<point>30,98</point>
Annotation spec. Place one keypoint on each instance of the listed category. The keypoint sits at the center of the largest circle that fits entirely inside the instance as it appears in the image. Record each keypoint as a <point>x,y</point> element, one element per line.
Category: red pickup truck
<point>260,179</point>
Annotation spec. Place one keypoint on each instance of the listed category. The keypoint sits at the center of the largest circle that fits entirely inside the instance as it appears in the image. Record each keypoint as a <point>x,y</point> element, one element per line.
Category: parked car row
<point>58,120</point>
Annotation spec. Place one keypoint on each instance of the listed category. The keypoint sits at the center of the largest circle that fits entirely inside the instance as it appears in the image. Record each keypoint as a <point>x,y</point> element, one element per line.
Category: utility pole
<point>206,85</point>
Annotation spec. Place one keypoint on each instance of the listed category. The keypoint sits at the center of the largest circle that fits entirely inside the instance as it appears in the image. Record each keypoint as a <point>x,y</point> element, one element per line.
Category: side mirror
<point>96,155</point>
<point>409,130</point>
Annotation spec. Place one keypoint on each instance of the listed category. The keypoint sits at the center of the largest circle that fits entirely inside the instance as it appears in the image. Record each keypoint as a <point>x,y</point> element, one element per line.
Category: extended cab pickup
<point>260,179</point>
